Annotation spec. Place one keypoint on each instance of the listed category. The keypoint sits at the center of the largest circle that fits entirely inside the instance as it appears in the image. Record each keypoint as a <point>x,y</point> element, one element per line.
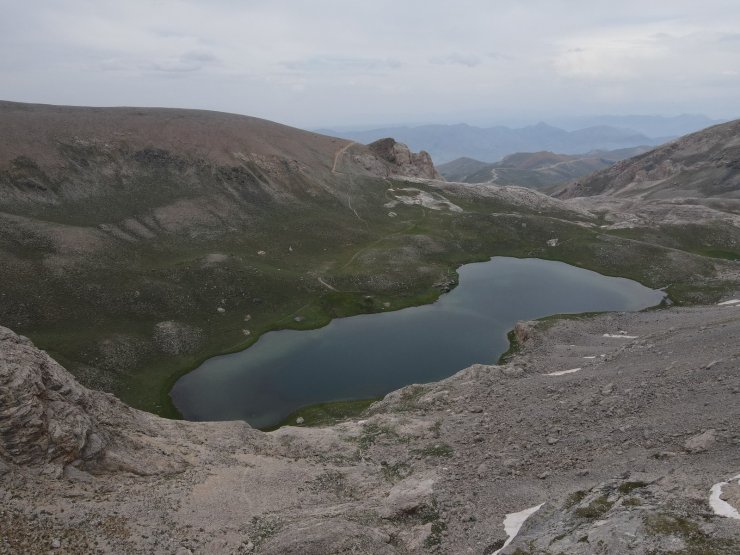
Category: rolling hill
<point>536,170</point>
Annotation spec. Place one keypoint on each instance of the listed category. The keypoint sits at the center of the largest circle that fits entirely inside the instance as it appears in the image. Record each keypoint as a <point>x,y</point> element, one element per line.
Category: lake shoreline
<point>460,328</point>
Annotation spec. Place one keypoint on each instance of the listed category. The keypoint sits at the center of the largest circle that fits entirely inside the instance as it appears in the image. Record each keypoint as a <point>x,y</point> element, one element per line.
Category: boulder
<point>701,442</point>
<point>408,496</point>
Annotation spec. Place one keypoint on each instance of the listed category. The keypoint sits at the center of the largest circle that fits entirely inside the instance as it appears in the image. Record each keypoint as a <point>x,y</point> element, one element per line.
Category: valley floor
<point>622,455</point>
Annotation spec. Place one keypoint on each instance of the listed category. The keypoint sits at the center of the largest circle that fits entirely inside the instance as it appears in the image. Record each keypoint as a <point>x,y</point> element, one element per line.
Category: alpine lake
<point>367,356</point>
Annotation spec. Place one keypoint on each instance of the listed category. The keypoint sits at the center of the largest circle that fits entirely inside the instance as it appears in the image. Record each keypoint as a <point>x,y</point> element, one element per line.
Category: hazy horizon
<point>332,65</point>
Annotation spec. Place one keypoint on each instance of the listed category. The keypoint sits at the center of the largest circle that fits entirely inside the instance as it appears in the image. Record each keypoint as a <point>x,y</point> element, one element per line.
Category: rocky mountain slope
<point>537,170</point>
<point>703,164</point>
<point>621,430</point>
<point>125,233</point>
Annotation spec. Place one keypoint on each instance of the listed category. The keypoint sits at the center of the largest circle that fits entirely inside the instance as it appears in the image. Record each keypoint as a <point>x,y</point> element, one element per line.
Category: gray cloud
<point>327,62</point>
<point>202,56</point>
<point>467,60</point>
<point>319,64</point>
<point>185,63</point>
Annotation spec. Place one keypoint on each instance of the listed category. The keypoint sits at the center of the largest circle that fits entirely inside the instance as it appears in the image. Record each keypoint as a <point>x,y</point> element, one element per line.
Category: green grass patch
<point>326,414</point>
<point>396,472</point>
<point>511,352</point>
<point>372,433</point>
<point>697,541</point>
<point>575,498</point>
<point>595,509</point>
<point>628,487</point>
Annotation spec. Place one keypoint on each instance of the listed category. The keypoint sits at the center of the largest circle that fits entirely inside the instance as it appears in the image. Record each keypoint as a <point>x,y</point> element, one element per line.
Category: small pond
<point>369,355</point>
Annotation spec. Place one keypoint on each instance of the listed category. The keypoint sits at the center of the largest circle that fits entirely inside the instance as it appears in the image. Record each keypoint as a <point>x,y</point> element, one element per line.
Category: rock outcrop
<point>48,421</point>
<point>386,158</point>
<point>44,414</point>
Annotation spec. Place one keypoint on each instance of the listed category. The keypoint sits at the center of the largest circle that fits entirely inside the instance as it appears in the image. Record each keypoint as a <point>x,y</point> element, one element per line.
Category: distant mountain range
<point>536,170</point>
<point>449,142</point>
<point>652,126</point>
<point>574,136</point>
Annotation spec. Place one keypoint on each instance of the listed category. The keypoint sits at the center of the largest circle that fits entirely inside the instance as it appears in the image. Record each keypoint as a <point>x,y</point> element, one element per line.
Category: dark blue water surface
<point>369,355</point>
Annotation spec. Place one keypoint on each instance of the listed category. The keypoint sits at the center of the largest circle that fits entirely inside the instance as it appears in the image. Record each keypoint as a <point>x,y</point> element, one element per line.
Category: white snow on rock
<point>513,523</point>
<point>620,336</point>
<point>731,301</point>
<point>416,197</point>
<point>720,506</point>
<point>590,357</point>
<point>563,372</point>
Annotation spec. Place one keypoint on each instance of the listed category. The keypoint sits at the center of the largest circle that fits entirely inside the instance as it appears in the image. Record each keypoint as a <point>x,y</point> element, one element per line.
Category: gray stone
<point>407,496</point>
<point>701,442</point>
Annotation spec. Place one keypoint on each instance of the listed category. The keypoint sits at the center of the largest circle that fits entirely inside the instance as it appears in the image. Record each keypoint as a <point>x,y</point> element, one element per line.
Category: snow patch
<point>416,197</point>
<point>590,356</point>
<point>720,506</point>
<point>731,301</point>
<point>513,523</point>
<point>620,336</point>
<point>563,372</point>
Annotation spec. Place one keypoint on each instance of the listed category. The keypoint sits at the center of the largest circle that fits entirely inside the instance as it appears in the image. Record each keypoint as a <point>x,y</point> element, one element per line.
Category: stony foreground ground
<point>617,425</point>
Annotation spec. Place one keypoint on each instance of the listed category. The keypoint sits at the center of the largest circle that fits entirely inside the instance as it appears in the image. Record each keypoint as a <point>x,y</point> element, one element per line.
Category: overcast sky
<point>331,63</point>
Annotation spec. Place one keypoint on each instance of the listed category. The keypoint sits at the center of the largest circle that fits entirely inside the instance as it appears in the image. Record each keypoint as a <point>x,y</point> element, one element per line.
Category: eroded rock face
<point>43,416</point>
<point>48,420</point>
<point>405,162</point>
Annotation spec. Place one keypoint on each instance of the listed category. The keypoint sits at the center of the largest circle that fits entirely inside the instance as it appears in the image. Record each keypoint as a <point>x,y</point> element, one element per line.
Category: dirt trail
<point>322,282</point>
<point>339,154</point>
